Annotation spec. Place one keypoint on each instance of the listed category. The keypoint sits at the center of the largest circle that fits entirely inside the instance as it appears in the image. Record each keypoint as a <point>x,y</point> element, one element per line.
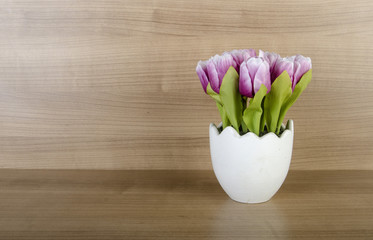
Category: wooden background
<point>112,84</point>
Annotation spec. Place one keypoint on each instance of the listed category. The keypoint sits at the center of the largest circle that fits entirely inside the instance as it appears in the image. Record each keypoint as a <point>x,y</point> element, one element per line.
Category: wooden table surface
<point>156,204</point>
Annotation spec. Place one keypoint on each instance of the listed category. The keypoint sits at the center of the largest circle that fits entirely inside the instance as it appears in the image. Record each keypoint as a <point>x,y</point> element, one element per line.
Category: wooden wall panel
<point>112,84</point>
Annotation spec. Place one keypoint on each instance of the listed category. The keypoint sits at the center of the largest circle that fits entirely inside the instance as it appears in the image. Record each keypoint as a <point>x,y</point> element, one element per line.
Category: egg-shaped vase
<point>249,168</point>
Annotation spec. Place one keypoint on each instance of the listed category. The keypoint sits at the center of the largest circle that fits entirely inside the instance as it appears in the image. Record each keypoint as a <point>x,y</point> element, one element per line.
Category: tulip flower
<point>295,66</point>
<point>213,70</point>
<point>253,73</point>
<point>283,64</point>
<point>271,58</point>
<point>301,66</point>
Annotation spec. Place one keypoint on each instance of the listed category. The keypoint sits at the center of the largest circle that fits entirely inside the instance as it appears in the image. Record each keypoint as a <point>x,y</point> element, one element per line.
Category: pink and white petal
<point>224,62</point>
<point>262,54</point>
<point>253,65</point>
<point>270,57</point>
<point>245,83</point>
<point>213,76</point>
<point>237,56</point>
<point>251,52</point>
<point>262,76</point>
<point>201,72</point>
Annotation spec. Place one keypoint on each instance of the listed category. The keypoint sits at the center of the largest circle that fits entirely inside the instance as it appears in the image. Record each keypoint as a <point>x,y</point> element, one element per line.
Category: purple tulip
<point>213,70</point>
<point>239,56</point>
<point>271,59</point>
<point>253,73</point>
<point>295,66</point>
<point>283,64</point>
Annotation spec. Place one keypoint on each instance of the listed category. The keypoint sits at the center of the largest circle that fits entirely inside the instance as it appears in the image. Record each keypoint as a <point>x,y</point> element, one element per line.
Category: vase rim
<point>289,129</point>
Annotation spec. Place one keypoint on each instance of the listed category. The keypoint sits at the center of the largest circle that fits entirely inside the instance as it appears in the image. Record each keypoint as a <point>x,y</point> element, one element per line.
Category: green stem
<point>279,124</point>
<point>223,115</point>
<point>262,118</point>
<point>244,127</point>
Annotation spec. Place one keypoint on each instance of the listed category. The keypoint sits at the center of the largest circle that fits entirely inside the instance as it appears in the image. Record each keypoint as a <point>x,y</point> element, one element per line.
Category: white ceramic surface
<point>249,168</point>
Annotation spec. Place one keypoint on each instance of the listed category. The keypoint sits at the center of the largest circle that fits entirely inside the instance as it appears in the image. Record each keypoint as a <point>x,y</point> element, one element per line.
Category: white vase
<point>249,168</point>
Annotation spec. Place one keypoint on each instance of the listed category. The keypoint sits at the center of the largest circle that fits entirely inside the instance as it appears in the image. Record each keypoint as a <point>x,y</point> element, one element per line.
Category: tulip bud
<point>217,67</point>
<point>301,66</point>
<point>295,66</point>
<point>253,73</point>
<point>283,64</point>
<point>271,59</point>
<point>213,70</point>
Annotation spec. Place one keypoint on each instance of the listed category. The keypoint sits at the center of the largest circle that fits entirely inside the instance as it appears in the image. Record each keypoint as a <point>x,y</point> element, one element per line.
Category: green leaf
<point>299,88</point>
<point>280,92</point>
<point>213,94</point>
<point>223,115</point>
<point>231,98</point>
<point>253,112</point>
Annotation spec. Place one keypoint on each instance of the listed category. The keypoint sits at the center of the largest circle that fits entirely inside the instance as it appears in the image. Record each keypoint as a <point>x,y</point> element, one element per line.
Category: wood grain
<point>171,204</point>
<point>112,84</point>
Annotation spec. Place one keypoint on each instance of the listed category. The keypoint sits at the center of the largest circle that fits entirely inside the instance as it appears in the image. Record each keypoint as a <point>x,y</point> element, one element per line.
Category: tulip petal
<point>245,83</point>
<point>213,76</point>
<point>262,76</point>
<point>201,70</point>
<point>262,53</point>
<point>253,65</point>
<point>251,52</point>
<point>222,65</point>
<point>237,56</point>
<point>270,57</point>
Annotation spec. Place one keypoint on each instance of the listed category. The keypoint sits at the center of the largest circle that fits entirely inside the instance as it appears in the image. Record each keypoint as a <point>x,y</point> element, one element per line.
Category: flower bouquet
<point>251,149</point>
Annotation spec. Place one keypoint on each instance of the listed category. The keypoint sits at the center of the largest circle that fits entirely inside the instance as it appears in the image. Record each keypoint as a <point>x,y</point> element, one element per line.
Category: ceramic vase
<point>249,168</point>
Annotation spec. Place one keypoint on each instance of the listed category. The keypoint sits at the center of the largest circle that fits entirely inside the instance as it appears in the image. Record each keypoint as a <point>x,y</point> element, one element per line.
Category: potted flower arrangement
<point>251,148</point>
